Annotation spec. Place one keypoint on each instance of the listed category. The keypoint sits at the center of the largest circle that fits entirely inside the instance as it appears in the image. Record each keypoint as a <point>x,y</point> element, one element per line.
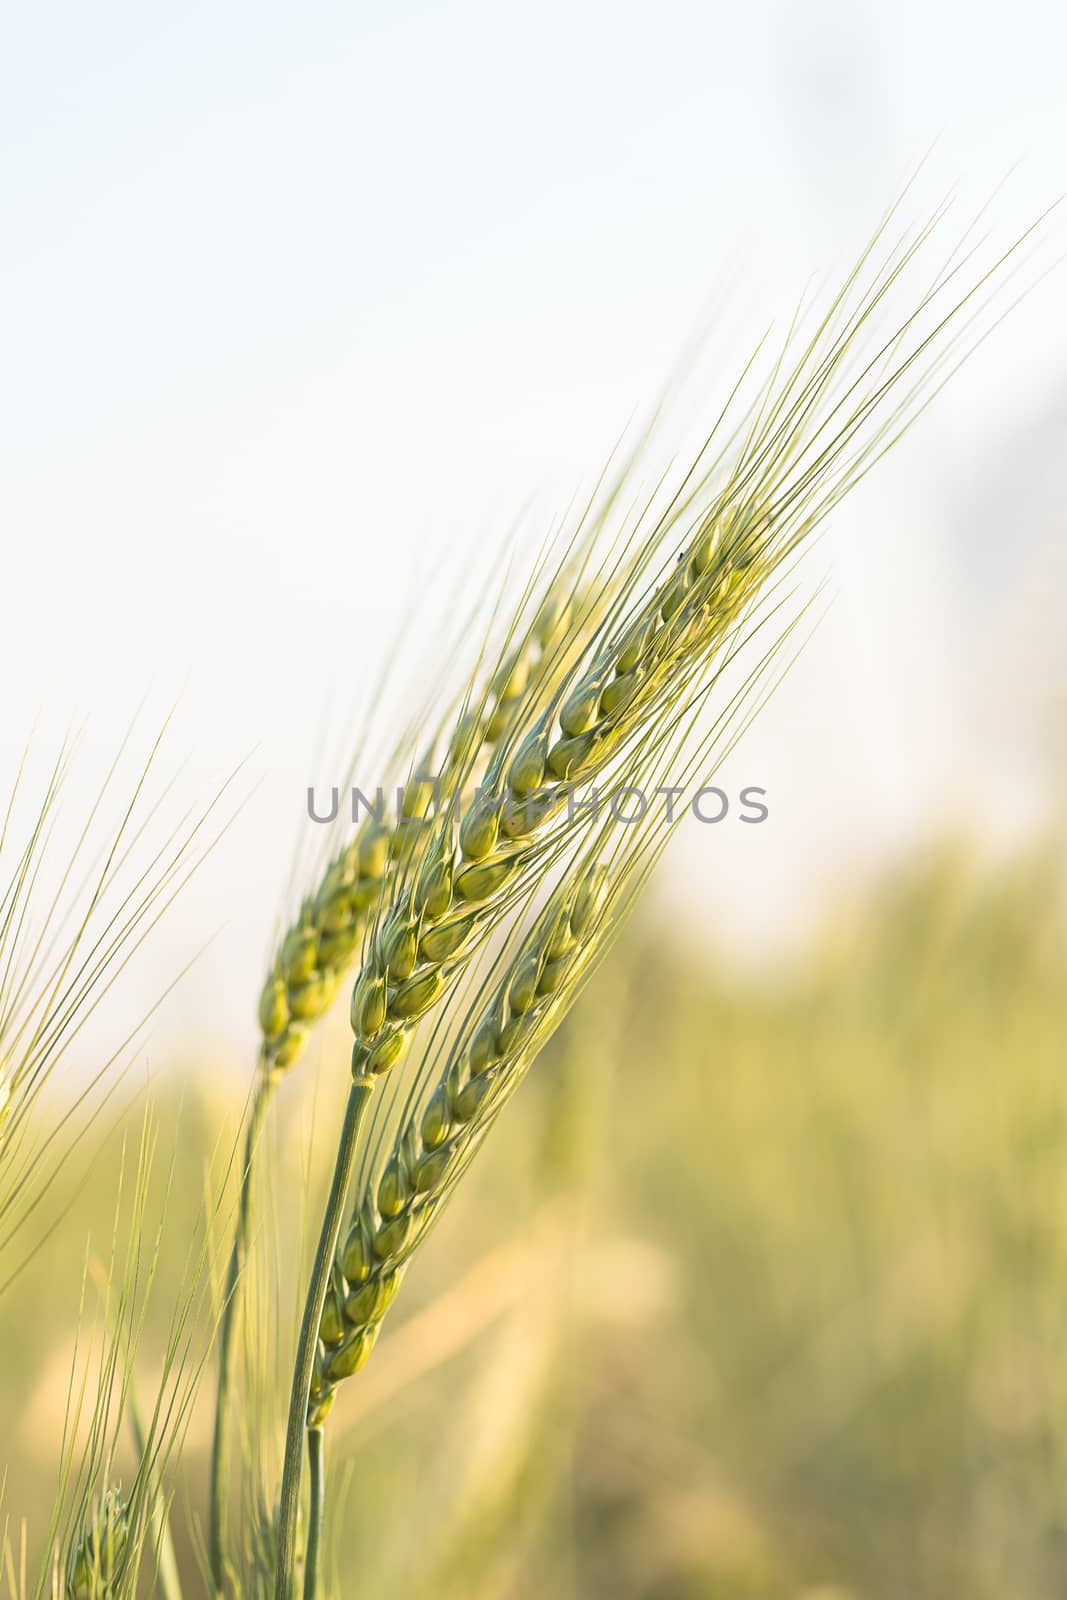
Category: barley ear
<point>98,1557</point>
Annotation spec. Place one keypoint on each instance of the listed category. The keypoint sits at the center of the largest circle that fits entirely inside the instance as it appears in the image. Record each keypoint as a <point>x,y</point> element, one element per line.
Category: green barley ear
<point>694,574</point>
<point>98,1559</point>
<point>336,919</point>
<point>324,941</point>
<point>435,1142</point>
<point>462,1089</point>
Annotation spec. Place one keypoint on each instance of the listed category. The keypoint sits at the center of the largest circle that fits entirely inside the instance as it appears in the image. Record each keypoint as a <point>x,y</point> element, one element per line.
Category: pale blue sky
<point>295,299</point>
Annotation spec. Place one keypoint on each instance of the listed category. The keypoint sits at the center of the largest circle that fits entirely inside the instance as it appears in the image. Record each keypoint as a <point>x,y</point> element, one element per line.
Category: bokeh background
<point>300,308</point>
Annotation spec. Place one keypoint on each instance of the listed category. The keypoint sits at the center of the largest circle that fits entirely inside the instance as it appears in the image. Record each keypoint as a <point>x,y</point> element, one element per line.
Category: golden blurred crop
<point>761,1291</point>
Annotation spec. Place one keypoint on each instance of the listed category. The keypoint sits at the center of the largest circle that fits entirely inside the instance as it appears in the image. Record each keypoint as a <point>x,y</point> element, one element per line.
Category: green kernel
<point>374,849</point>
<point>433,893</point>
<point>418,798</point>
<point>579,711</point>
<point>392,1238</point>
<point>531,812</point>
<point>634,646</point>
<point>417,994</point>
<point>479,828</point>
<point>466,1103</point>
<point>387,1052</point>
<point>430,1170</point>
<point>356,1255</point>
<point>483,1048</point>
<point>484,879</point>
<point>366,894</point>
<point>522,990</point>
<point>527,769</point>
<point>309,1000</point>
<point>437,944</point>
<point>351,1356</point>
<point>399,945</point>
<point>299,954</point>
<point>436,1122</point>
<point>704,551</point>
<point>289,1048</point>
<point>337,949</point>
<point>371,1302</point>
<point>674,593</point>
<point>331,1324</point>
<point>515,1032</point>
<point>560,940</point>
<point>619,693</point>
<point>552,975</point>
<point>335,913</point>
<point>369,1004</point>
<point>392,1189</point>
<point>273,1008</point>
<point>568,757</point>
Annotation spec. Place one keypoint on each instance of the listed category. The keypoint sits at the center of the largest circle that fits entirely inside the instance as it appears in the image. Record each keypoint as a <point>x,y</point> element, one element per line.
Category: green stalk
<point>358,1097</point>
<point>317,1474</point>
<point>170,1587</point>
<point>220,1448</point>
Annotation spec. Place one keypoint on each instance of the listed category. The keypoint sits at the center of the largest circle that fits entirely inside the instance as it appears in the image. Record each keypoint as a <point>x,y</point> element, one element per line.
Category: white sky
<point>298,299</point>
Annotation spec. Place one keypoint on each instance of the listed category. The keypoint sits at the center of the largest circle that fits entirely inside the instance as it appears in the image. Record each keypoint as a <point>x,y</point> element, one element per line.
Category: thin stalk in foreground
<point>220,1448</point>
<point>358,1098</point>
<point>316,1518</point>
<point>167,1576</point>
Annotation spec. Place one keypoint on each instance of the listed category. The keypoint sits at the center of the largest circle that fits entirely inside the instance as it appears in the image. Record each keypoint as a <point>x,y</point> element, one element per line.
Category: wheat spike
<point>697,573</point>
<point>324,940</point>
<point>98,1558</point>
<point>433,1145</point>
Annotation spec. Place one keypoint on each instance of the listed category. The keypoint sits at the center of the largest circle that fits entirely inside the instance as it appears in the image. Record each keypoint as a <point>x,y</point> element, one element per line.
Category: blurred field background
<point>761,1291</point>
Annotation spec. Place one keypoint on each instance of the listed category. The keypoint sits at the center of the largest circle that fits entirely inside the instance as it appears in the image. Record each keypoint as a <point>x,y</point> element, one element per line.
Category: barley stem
<point>166,1562</point>
<point>358,1098</point>
<point>220,1449</point>
<point>317,1474</point>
